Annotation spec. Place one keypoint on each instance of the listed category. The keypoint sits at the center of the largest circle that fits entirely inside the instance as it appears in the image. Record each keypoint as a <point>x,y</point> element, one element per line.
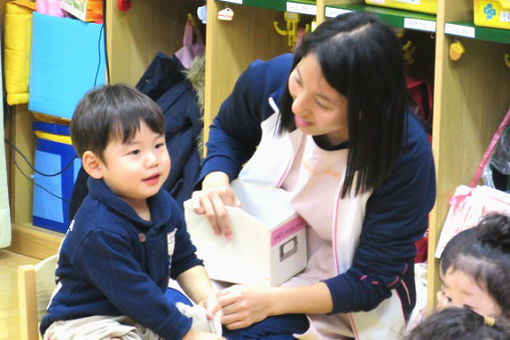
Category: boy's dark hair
<point>458,324</point>
<point>483,252</point>
<point>112,111</point>
<point>362,59</point>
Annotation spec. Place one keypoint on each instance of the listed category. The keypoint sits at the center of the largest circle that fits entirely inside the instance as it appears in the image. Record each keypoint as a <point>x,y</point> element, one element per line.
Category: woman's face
<point>461,290</point>
<point>319,110</point>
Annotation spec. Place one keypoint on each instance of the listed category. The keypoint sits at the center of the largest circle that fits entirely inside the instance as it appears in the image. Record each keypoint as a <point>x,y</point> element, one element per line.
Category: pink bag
<point>49,7</point>
<point>190,50</point>
<point>469,203</point>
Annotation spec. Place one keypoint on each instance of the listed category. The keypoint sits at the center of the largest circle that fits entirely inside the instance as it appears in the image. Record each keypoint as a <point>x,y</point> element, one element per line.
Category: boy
<point>129,235</point>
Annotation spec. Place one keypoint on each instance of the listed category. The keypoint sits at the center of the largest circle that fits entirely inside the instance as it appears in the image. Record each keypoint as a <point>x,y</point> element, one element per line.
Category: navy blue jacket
<point>165,83</point>
<point>396,212</point>
<point>112,262</point>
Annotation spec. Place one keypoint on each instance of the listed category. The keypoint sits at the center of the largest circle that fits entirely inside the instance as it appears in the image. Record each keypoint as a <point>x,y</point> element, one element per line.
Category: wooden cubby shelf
<point>470,95</point>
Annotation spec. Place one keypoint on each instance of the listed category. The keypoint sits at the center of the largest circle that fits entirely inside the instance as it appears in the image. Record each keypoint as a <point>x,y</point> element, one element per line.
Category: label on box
<point>287,229</point>
<point>504,16</point>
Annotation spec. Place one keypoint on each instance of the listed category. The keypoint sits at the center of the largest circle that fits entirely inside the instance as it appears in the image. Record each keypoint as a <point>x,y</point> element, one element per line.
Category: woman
<point>357,164</point>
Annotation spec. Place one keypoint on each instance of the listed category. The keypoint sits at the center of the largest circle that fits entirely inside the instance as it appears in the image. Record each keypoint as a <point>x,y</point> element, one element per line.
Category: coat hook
<point>291,29</point>
<point>400,32</point>
<point>191,19</point>
<point>507,60</point>
<point>456,50</point>
<point>409,49</point>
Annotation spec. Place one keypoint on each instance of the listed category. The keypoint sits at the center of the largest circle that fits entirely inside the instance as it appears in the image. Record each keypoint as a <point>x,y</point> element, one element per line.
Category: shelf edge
<point>34,242</point>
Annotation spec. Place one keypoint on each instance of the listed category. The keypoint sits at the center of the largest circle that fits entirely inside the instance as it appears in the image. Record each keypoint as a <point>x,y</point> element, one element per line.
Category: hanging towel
<point>17,40</point>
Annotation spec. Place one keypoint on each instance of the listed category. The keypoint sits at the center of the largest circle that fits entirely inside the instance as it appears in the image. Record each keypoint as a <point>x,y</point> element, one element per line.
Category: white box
<point>268,246</point>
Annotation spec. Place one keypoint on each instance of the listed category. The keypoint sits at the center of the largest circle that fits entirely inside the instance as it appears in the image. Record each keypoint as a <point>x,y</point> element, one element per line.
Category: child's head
<point>475,268</point>
<point>458,324</point>
<point>119,134</point>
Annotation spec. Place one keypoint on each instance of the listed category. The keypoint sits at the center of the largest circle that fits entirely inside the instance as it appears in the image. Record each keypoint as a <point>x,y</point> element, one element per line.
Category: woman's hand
<point>243,306</point>
<point>216,193</point>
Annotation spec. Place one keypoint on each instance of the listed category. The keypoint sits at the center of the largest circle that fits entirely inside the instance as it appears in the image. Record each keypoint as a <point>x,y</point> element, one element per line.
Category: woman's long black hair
<point>362,59</point>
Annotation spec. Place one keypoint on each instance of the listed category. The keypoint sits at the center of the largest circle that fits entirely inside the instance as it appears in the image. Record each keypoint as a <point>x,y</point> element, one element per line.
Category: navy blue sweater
<point>112,262</point>
<point>396,212</point>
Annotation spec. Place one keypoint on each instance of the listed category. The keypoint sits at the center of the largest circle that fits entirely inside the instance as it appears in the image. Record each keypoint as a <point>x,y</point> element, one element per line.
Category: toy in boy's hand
<point>201,322</point>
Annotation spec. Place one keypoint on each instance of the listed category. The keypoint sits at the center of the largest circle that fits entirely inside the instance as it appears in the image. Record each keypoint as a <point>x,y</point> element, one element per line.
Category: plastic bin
<point>425,6</point>
<point>54,154</point>
<point>492,13</point>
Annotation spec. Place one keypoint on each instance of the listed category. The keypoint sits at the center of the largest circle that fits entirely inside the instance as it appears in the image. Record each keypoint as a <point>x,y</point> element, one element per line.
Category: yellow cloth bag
<point>17,42</point>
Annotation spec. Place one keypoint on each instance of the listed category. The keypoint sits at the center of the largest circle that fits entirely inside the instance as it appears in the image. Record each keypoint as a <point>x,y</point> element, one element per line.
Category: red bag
<point>421,248</point>
<point>421,94</point>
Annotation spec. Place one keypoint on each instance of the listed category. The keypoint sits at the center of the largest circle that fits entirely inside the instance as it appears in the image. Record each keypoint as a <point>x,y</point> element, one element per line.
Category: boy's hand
<point>212,306</point>
<point>442,301</point>
<point>195,335</point>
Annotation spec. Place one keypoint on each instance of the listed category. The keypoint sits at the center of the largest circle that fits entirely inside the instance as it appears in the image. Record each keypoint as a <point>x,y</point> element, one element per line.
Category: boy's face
<point>136,170</point>
<point>461,290</point>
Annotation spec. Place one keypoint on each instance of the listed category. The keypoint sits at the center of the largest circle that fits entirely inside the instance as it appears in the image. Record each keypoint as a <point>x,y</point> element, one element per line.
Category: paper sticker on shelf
<point>226,14</point>
<point>419,24</point>
<point>332,12</point>
<point>240,2</point>
<point>459,30</point>
<point>301,8</point>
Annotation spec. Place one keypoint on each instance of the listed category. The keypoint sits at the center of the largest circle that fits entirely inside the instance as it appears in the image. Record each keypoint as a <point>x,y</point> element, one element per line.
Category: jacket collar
<point>159,204</point>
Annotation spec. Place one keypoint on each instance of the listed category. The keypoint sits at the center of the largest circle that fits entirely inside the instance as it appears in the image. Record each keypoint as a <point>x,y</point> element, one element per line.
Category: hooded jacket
<point>112,262</point>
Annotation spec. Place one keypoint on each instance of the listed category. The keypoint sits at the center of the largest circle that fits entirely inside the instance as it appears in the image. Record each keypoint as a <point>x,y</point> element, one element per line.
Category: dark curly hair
<point>458,324</point>
<point>483,252</point>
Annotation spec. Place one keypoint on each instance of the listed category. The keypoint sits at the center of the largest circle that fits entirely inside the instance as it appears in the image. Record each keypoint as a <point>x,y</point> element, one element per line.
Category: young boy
<point>129,236</point>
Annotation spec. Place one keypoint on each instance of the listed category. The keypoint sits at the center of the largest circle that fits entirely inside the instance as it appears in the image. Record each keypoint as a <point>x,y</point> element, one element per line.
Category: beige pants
<point>99,327</point>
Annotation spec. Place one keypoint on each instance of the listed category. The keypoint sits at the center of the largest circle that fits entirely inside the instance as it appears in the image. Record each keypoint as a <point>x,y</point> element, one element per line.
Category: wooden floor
<point>9,262</point>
